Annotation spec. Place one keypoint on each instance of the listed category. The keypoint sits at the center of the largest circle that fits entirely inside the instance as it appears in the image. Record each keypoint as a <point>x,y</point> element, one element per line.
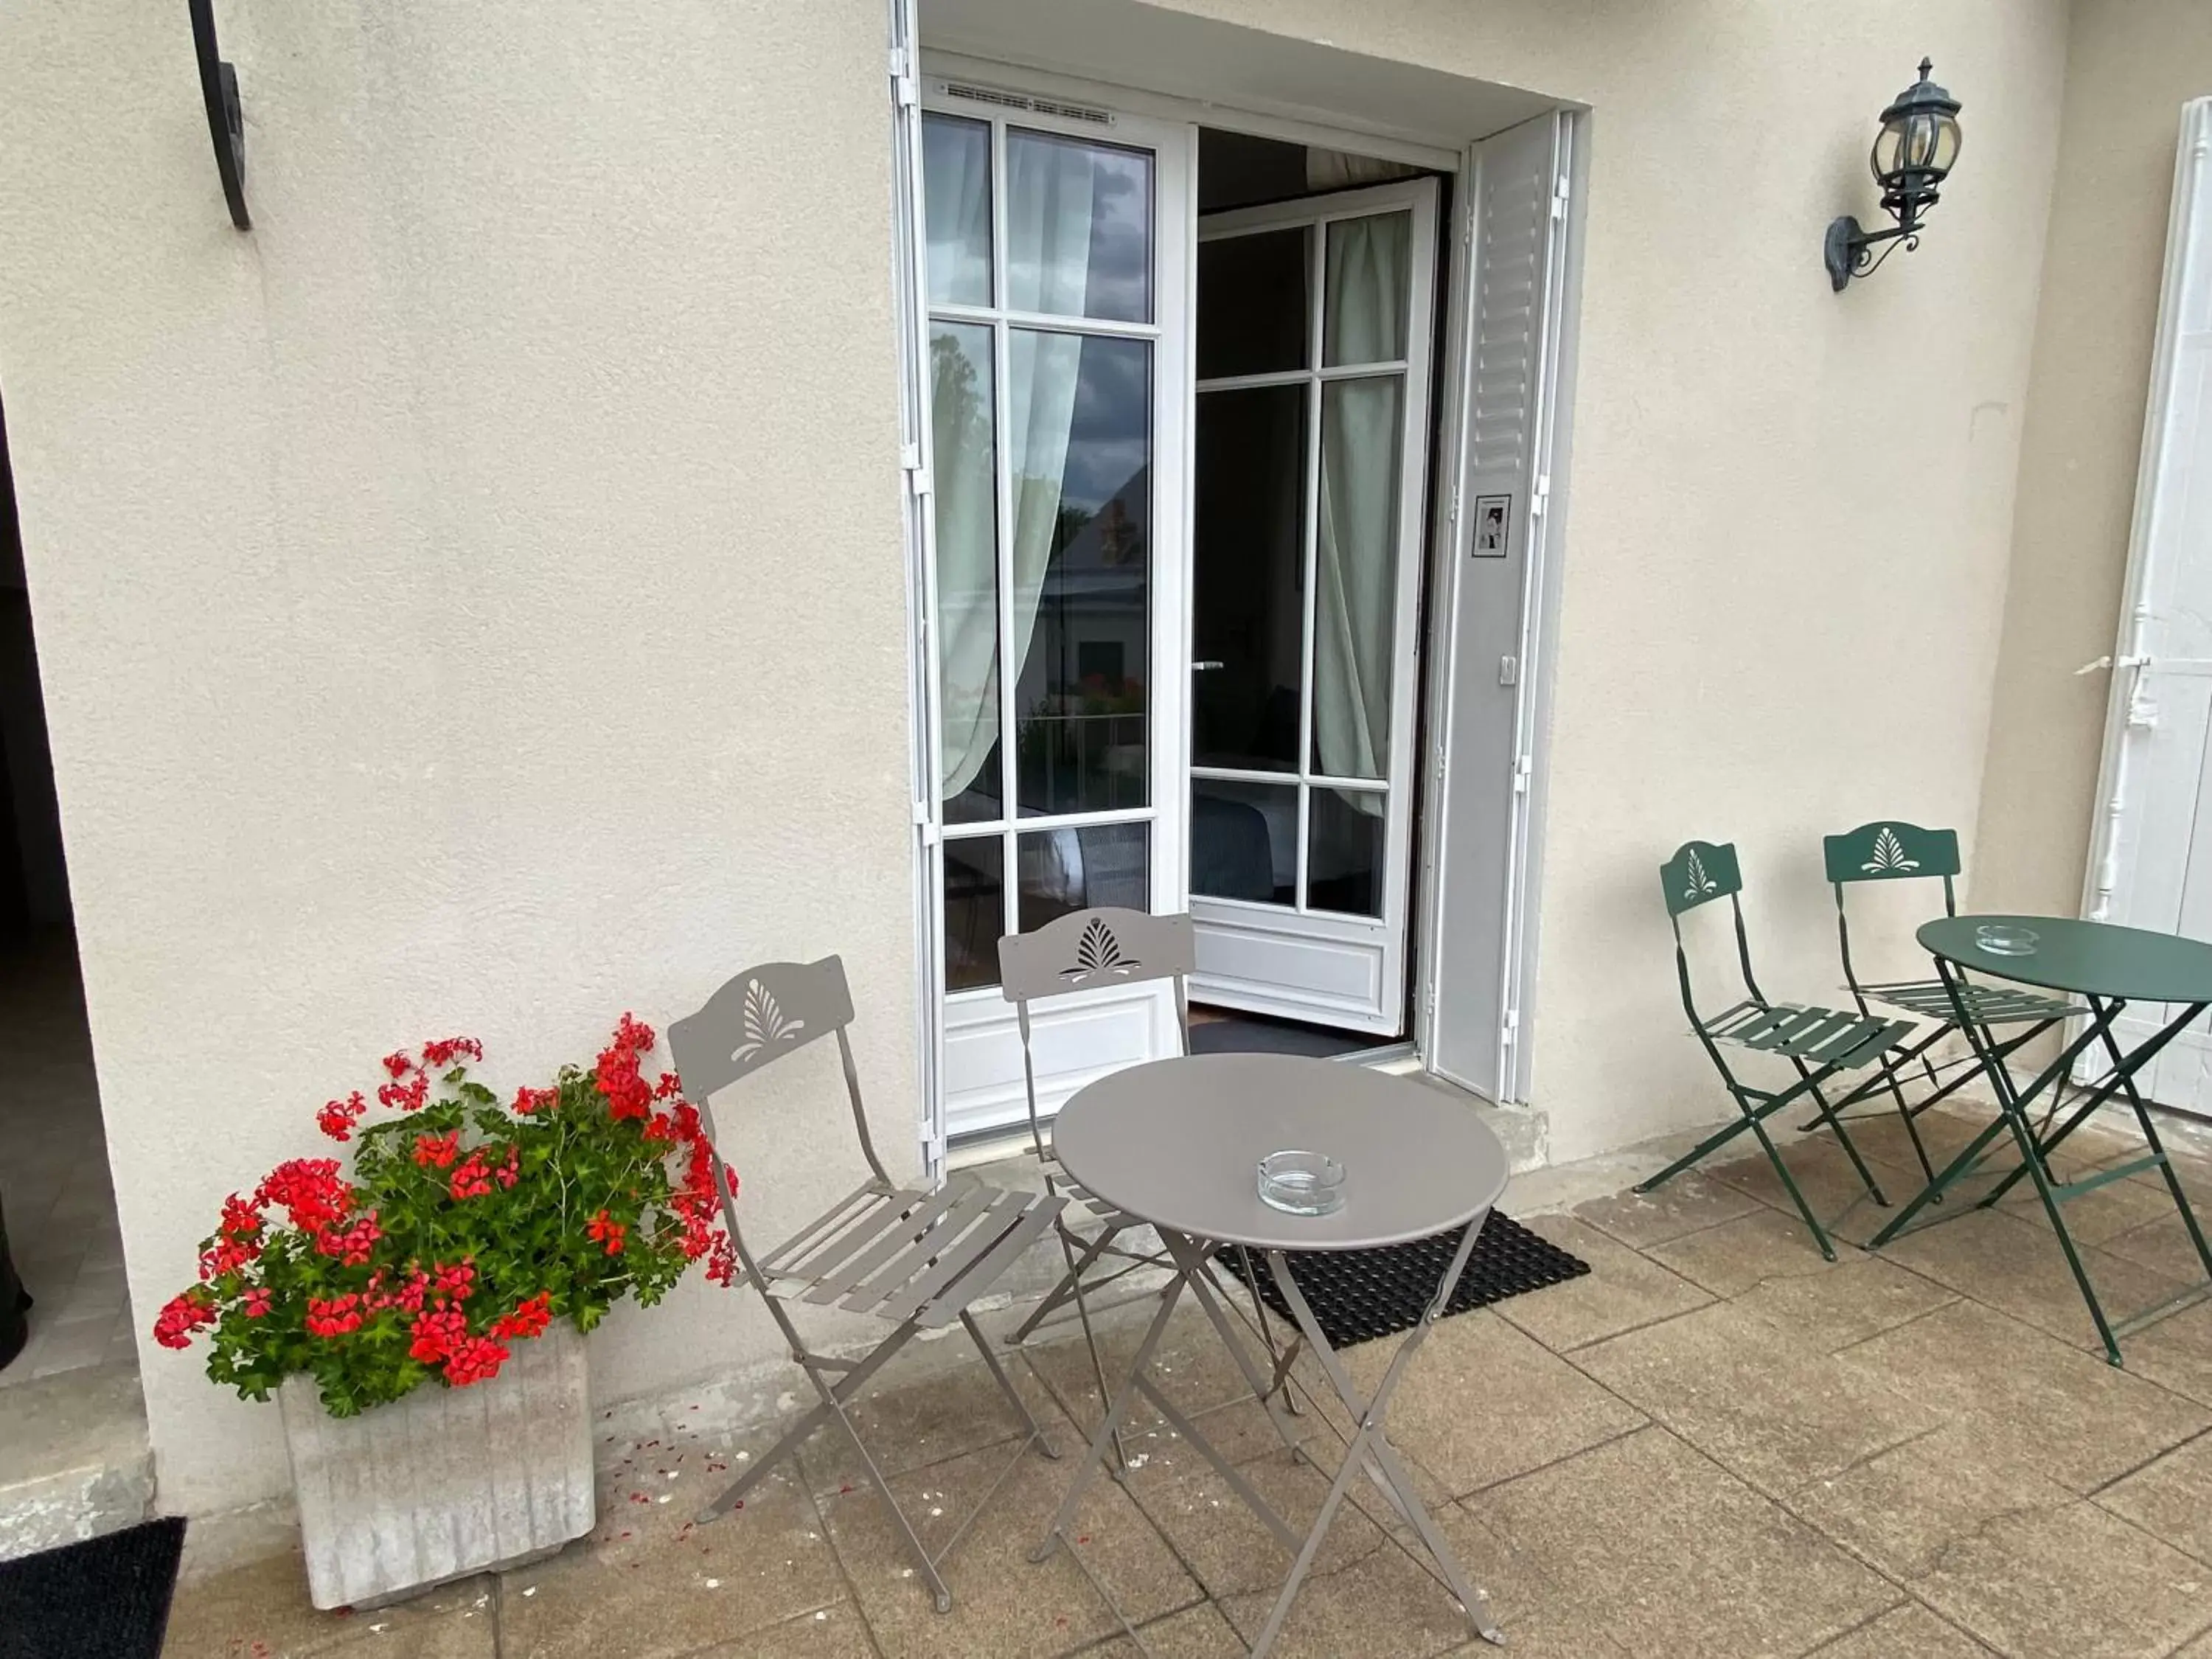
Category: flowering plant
<point>465,1226</point>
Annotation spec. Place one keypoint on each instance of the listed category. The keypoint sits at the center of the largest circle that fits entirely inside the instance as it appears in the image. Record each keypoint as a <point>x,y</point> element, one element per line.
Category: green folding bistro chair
<point>1888,850</point>
<point>1819,1043</point>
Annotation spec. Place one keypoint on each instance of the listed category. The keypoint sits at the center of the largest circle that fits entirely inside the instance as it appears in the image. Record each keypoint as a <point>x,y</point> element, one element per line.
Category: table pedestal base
<point>1368,1452</point>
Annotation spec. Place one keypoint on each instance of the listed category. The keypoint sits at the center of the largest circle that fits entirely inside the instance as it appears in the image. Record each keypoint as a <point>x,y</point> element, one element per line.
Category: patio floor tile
<point>2176,1352</point>
<point>832,1633</point>
<point>1902,1509</point>
<point>1744,1252</point>
<point>1662,1551</point>
<point>650,1584</point>
<point>1908,1631</point>
<point>2089,1422</point>
<point>1002,1601</point>
<point>1552,1409</point>
<point>2172,1498</point>
<point>2076,1580</point>
<point>1768,1409</point>
<point>2010,1264</point>
<point>1199,1633</point>
<point>1824,1176</point>
<point>261,1611</point>
<point>1690,1201</point>
<point>1622,1290</point>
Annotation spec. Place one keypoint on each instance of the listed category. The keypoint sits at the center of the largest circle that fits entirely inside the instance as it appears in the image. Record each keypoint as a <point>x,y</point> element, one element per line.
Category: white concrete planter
<point>446,1482</point>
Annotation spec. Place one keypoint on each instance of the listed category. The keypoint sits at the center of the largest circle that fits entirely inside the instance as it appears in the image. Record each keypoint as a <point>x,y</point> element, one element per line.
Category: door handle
<point>1207,667</point>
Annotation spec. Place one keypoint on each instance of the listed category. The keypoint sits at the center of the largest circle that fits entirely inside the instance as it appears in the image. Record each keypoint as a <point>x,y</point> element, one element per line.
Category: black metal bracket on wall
<point>226,125</point>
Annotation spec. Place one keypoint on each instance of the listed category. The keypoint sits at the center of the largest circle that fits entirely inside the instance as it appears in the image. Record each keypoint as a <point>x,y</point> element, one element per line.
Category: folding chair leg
<point>1063,1292</point>
<point>1007,1387</point>
<point>1790,1185</point>
<point>1812,1082</point>
<point>921,1559</point>
<point>735,1494</point>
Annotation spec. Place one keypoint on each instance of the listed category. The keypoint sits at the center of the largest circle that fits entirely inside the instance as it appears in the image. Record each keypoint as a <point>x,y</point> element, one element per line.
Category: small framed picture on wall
<point>1494,516</point>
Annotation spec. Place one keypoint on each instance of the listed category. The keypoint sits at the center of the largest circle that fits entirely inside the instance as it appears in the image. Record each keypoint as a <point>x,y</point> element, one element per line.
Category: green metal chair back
<point>1888,850</point>
<point>1702,873</point>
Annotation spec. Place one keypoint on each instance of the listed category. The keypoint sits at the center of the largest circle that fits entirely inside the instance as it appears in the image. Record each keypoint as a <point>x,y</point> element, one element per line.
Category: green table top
<point>2090,958</point>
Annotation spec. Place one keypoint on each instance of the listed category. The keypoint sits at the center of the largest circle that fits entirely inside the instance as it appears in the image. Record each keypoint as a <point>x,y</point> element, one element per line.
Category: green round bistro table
<point>2109,969</point>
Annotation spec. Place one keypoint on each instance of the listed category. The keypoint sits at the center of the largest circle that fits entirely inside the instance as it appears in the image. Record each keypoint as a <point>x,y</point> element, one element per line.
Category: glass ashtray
<point>1302,1183</point>
<point>2003,939</point>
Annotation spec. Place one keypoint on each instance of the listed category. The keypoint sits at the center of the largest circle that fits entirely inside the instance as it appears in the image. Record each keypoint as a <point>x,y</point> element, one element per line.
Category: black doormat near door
<point>1358,1296</point>
<point>105,1598</point>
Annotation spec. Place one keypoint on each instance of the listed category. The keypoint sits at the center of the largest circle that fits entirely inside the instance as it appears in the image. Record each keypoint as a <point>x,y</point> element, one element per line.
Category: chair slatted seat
<point>1818,1043</point>
<point>916,1258</point>
<point>1889,850</point>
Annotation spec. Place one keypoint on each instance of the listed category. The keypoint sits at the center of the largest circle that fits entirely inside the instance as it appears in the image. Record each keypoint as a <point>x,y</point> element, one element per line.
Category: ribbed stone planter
<point>446,1482</point>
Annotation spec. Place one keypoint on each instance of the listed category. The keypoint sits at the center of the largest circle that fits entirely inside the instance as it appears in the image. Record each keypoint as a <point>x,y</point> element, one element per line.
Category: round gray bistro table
<point>1178,1143</point>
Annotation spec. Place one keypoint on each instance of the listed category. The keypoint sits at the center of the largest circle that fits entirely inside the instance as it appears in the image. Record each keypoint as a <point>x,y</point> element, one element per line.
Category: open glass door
<point>1054,262</point>
<point>1313,343</point>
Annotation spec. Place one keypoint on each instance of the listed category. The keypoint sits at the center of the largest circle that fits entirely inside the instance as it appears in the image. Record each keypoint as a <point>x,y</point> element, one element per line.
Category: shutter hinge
<point>925,824</point>
<point>1509,671</point>
<point>1523,765</point>
<point>1509,1030</point>
<point>917,476</point>
<point>1540,497</point>
<point>1559,200</point>
<point>904,92</point>
<point>1451,519</point>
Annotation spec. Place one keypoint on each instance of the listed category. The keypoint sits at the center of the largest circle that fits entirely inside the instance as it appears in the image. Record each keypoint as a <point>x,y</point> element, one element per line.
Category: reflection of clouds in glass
<point>1070,201</point>
<point>1110,440</point>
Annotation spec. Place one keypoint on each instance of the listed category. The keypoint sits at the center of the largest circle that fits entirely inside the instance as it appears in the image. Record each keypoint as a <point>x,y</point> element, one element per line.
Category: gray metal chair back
<point>1085,950</point>
<point>761,1015</point>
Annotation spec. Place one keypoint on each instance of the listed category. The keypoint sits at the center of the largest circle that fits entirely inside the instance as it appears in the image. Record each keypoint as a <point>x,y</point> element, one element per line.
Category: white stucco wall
<point>473,599</point>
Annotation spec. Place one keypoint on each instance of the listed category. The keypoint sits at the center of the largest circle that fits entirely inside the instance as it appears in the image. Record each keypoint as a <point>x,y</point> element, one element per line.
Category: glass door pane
<point>1078,228</point>
<point>966,513</point>
<point>1356,576</point>
<point>1248,601</point>
<point>1081,414</point>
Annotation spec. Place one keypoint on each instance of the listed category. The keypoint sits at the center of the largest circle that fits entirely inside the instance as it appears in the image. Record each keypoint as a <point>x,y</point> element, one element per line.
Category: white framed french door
<point>1315,337</point>
<point>1053,366</point>
<point>2150,864</point>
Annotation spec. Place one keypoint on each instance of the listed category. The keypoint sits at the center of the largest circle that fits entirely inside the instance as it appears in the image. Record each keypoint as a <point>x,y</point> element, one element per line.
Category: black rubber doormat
<point>105,1598</point>
<point>1358,1295</point>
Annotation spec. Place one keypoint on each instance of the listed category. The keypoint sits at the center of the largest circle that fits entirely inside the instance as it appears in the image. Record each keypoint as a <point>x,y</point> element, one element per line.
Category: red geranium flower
<point>603,1229</point>
<point>530,1318</point>
<point>440,1150</point>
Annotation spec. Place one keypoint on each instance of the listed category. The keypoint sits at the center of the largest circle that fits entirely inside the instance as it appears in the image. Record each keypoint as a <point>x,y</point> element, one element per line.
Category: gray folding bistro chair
<point>915,1258</point>
<point>1076,953</point>
<point>1890,851</point>
<point>1819,1043</point>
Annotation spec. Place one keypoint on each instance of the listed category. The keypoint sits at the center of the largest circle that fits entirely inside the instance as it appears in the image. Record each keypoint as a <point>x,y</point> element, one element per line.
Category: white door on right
<point>1314,341</point>
<point>2152,863</point>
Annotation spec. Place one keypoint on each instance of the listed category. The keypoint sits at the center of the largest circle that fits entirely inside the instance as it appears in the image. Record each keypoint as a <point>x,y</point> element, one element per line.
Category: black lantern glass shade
<point>1917,144</point>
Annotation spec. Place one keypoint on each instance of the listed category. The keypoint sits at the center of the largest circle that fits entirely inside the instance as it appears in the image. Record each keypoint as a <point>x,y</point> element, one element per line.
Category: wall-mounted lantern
<point>1917,143</point>
<point>225,124</point>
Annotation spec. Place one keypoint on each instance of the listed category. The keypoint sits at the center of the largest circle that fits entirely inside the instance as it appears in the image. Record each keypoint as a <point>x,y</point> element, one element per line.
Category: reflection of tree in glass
<point>959,413</point>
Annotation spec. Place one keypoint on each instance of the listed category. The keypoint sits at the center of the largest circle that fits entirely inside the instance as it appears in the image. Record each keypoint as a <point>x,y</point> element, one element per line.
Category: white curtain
<point>1049,214</point>
<point>1355,561</point>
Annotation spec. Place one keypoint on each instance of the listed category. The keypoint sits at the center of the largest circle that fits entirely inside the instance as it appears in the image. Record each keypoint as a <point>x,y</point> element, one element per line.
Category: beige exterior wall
<point>473,600</point>
<point>1791,510</point>
<point>2133,65</point>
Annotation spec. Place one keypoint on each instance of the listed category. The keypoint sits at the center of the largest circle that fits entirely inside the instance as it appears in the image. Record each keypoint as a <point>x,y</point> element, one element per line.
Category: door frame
<point>915,63</point>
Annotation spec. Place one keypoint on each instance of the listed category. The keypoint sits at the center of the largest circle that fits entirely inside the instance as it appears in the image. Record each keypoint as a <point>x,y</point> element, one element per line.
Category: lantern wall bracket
<point>225,124</point>
<point>1848,250</point>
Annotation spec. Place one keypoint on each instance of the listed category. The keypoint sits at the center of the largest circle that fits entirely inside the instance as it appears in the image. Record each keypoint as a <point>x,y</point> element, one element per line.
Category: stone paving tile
<point>1648,1538</point>
<point>2003,1261</point>
<point>1740,1254</point>
<point>1691,1200</point>
<point>2074,1580</point>
<point>1536,1407</point>
<point>2176,1353</point>
<point>1003,1602</point>
<point>1906,1631</point>
<point>261,1611</point>
<point>2089,1422</point>
<point>1900,1511</point>
<point>2163,1243</point>
<point>649,1584</point>
<point>1827,1180</point>
<point>2172,1498</point>
<point>831,1632</point>
<point>1624,1289</point>
<point>1199,1633</point>
<point>1772,1411</point>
